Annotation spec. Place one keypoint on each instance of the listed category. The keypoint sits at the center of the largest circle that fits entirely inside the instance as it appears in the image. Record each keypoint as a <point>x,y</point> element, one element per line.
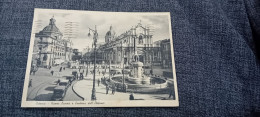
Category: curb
<point>76,92</point>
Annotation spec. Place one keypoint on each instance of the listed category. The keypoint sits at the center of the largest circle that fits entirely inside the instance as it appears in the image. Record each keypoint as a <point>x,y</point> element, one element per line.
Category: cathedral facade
<point>122,48</point>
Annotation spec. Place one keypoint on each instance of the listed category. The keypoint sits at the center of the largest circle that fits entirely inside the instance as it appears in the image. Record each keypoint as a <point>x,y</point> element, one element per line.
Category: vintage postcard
<point>100,59</point>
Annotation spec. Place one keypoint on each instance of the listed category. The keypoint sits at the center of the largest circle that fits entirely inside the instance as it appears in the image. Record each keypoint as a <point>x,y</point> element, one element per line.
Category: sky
<point>121,22</point>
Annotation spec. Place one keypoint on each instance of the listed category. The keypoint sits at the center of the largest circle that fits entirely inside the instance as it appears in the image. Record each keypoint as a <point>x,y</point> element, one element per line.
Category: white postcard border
<point>97,103</point>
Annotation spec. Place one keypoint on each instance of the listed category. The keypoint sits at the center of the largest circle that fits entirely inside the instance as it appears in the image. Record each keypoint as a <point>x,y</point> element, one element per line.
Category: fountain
<point>137,76</point>
<point>137,81</point>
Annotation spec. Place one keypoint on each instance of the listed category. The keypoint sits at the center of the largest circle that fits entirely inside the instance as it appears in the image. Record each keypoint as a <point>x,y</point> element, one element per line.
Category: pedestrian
<point>125,88</point>
<point>60,69</point>
<point>151,72</point>
<point>107,89</point>
<point>32,69</point>
<point>98,82</point>
<point>30,83</point>
<point>52,72</point>
<point>34,72</point>
<point>103,72</point>
<point>49,67</point>
<point>63,68</point>
<point>171,94</point>
<point>58,81</point>
<point>77,76</point>
<point>70,81</point>
<point>113,89</point>
<point>171,91</point>
<point>86,73</point>
<point>74,73</point>
<point>131,96</point>
<point>81,74</point>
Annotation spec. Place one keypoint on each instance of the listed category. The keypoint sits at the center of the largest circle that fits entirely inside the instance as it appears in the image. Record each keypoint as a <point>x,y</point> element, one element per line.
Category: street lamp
<point>110,64</point>
<point>95,37</point>
<point>123,56</point>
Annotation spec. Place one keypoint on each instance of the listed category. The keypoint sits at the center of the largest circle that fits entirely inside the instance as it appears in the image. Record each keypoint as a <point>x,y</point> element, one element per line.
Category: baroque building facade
<point>49,46</point>
<point>135,41</point>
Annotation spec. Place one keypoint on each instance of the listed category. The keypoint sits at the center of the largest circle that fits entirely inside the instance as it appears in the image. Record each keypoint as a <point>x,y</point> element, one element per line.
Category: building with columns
<point>136,40</point>
<point>49,46</point>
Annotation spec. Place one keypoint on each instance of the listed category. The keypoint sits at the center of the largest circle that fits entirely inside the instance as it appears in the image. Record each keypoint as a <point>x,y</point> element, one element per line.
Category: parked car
<point>70,77</point>
<point>115,71</point>
<point>65,83</point>
<point>58,93</point>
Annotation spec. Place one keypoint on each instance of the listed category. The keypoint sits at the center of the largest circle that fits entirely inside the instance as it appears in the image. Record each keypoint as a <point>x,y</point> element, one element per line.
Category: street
<point>43,84</point>
<point>84,89</point>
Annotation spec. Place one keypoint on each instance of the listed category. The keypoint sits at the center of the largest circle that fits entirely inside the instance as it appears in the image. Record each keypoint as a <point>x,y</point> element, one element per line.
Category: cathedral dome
<point>51,27</point>
<point>111,32</point>
<point>110,35</point>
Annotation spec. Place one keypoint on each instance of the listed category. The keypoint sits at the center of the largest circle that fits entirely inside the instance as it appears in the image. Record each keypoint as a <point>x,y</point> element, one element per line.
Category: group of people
<point>98,72</point>
<point>60,70</point>
<point>113,87</point>
<point>79,75</point>
<point>34,69</point>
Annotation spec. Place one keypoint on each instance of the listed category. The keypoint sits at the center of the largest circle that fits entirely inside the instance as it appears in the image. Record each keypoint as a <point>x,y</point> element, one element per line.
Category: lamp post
<point>109,65</point>
<point>123,57</point>
<point>87,68</point>
<point>95,37</point>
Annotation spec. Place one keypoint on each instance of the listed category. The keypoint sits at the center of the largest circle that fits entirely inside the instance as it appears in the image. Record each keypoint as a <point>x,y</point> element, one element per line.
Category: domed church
<point>135,40</point>
<point>49,46</point>
<point>110,35</point>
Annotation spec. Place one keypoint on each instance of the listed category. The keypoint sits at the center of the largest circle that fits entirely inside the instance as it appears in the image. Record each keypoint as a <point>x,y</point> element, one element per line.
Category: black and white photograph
<point>100,59</point>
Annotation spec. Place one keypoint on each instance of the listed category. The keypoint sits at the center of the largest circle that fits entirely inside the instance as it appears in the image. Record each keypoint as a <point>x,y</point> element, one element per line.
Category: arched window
<point>140,39</point>
<point>45,57</point>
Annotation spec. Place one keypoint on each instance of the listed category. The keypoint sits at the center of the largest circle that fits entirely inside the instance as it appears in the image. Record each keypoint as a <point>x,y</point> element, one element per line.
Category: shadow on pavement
<point>43,97</point>
<point>50,88</point>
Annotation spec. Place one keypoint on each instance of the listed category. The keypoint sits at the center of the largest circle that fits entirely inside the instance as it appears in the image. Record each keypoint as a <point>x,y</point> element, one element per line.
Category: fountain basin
<point>139,85</point>
<point>143,80</point>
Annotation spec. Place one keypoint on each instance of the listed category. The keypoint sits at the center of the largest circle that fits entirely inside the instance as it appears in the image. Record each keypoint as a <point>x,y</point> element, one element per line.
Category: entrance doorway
<point>141,58</point>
